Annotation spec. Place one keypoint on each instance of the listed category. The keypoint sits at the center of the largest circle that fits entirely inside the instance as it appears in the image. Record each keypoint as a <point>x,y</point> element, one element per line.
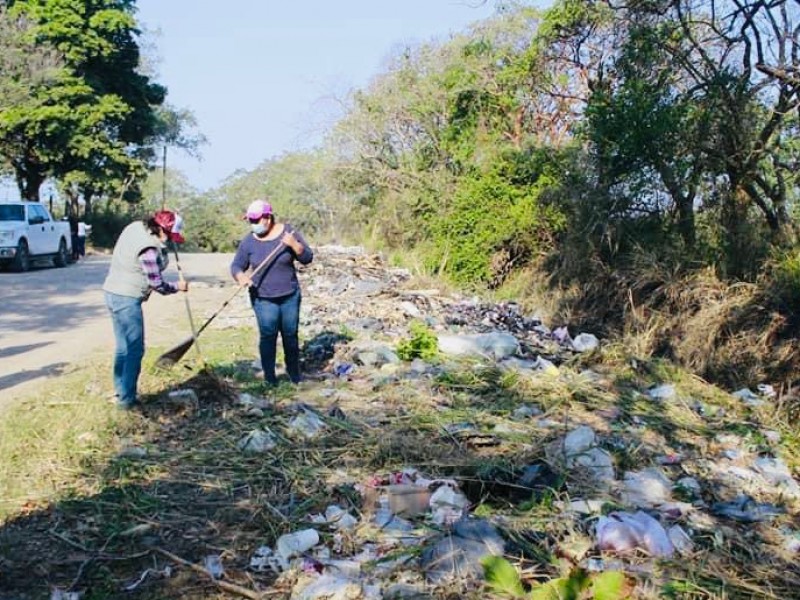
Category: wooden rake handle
<point>260,266</point>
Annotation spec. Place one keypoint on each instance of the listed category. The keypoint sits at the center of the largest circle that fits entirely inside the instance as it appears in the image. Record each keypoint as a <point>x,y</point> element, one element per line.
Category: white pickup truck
<point>28,233</point>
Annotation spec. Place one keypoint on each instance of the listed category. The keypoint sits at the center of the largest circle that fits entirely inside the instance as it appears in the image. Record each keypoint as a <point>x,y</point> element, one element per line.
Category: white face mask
<point>259,228</point>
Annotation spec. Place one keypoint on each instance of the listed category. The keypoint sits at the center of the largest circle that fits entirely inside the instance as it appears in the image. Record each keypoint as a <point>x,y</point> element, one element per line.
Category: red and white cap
<point>172,223</point>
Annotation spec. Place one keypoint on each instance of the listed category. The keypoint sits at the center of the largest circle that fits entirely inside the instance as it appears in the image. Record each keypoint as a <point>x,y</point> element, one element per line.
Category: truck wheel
<point>61,258</point>
<point>22,260</point>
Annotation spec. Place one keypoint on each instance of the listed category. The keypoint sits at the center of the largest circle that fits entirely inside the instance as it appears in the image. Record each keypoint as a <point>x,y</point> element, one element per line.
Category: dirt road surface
<point>53,318</point>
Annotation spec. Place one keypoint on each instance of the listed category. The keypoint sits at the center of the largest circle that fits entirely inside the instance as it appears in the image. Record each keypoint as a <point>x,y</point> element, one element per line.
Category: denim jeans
<point>128,320</point>
<point>279,315</point>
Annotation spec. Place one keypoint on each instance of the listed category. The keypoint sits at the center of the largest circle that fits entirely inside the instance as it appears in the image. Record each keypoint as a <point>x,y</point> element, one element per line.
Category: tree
<point>90,122</point>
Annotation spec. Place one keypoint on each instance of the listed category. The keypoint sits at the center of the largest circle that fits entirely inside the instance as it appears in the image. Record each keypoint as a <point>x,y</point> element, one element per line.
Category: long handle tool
<point>172,356</point>
<point>186,301</point>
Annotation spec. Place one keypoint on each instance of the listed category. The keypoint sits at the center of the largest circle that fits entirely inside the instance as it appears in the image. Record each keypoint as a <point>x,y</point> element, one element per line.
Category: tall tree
<point>88,122</point>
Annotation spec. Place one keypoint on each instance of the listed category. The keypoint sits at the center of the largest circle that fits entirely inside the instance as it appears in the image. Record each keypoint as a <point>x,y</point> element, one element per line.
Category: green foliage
<point>609,585</point>
<point>87,124</point>
<point>422,343</point>
<point>502,577</point>
<point>488,215</point>
<point>505,581</point>
<point>785,276</point>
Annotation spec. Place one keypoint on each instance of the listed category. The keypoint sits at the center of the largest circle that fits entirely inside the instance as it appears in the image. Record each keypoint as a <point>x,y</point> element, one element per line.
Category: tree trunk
<point>686,227</point>
<point>29,184</point>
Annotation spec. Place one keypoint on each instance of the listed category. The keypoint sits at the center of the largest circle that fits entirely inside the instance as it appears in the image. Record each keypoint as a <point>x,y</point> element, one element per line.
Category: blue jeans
<point>128,320</point>
<point>279,315</point>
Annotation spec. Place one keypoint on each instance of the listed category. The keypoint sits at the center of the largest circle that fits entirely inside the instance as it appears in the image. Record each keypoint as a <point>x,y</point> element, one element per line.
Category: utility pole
<point>164,179</point>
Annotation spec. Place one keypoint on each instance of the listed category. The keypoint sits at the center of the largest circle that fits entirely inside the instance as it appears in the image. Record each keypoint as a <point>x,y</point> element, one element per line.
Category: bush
<point>785,273</point>
<point>422,344</point>
<point>490,227</point>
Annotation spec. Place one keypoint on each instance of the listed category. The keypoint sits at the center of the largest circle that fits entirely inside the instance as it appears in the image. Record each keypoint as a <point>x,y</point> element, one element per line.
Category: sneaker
<point>114,399</point>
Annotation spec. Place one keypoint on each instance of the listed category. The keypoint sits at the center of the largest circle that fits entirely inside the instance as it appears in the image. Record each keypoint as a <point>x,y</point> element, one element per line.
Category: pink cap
<point>258,209</point>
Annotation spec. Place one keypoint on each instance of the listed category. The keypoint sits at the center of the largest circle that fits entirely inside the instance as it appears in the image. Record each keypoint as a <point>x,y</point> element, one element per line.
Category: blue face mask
<point>259,228</point>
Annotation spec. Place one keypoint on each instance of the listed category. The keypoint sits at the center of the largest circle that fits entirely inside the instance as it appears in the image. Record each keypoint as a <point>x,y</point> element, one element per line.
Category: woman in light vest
<point>136,265</point>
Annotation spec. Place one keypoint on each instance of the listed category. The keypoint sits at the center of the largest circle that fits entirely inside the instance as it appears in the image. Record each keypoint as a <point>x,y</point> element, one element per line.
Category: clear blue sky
<point>263,76</point>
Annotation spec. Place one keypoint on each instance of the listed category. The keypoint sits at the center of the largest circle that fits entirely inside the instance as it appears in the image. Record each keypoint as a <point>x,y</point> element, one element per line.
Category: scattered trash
<point>262,558</point>
<point>582,454</point>
<point>777,473</point>
<point>561,335</point>
<point>583,507</point>
<point>748,397</point>
<point>662,392</point>
<point>579,441</point>
<point>585,342</point>
<point>747,510</point>
<point>688,485</point>
<point>448,505</point>
<point>525,412</point>
<point>213,564</point>
<point>340,518</point>
<point>623,532</point>
<point>458,555</point>
<point>294,544</point>
<point>647,488</point>
<point>408,500</point>
<point>328,587</point>
<point>166,573</point>
<point>307,423</point>
<point>257,441</point>
<point>133,452</point>
<point>670,459</point>
<point>59,594</point>
<point>187,396</point>
<point>766,390</point>
<point>680,540</point>
<point>343,369</point>
<point>497,345</point>
<point>791,540</point>
<point>545,366</point>
<point>249,401</point>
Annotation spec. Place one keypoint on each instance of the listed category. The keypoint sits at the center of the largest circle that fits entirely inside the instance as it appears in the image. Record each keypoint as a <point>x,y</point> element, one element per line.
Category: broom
<point>172,356</point>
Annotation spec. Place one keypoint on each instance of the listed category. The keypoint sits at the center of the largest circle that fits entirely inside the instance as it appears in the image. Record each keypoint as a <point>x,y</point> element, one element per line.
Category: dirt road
<point>51,318</point>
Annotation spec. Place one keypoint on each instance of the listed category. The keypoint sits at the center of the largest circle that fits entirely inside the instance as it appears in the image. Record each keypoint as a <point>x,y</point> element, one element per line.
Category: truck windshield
<point>10,212</point>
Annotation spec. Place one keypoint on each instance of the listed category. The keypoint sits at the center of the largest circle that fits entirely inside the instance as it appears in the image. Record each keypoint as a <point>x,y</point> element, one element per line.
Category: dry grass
<point>82,514</point>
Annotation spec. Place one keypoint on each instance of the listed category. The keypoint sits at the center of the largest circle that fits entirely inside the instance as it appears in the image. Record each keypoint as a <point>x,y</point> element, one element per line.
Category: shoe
<point>122,405</point>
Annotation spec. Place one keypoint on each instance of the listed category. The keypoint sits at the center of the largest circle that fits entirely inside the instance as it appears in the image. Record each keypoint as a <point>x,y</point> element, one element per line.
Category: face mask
<point>259,228</point>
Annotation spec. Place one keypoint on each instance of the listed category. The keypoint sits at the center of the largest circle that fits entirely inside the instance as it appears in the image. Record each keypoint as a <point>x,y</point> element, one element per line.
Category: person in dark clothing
<point>274,290</point>
<point>73,231</point>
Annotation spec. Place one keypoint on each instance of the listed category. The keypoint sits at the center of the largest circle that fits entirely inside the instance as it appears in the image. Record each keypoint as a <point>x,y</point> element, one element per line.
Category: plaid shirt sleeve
<point>149,261</point>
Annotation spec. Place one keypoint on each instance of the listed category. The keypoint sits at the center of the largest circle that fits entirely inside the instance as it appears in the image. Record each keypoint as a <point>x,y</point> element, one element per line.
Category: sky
<point>265,77</point>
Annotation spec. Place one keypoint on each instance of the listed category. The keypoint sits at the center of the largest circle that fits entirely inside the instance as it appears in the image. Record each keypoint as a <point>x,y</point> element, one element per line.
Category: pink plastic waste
<point>623,532</point>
